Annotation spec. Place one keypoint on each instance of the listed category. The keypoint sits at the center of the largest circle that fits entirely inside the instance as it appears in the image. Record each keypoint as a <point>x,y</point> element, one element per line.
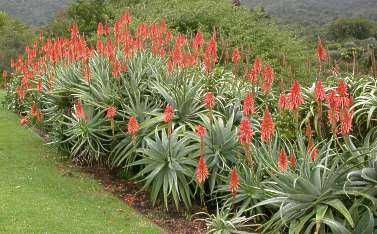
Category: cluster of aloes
<point>185,61</point>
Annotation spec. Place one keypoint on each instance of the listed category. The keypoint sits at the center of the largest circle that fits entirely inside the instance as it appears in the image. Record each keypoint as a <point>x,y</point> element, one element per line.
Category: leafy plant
<point>312,200</point>
<point>167,167</point>
<point>224,222</point>
<point>222,149</point>
<point>88,139</point>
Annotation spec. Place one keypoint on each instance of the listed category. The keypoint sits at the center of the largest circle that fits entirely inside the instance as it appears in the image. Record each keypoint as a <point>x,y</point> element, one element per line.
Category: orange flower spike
<point>79,111</point>
<point>111,112</point>
<point>248,106</point>
<point>201,170</point>
<point>283,161</point>
<point>322,54</point>
<point>342,88</point>
<point>236,56</point>
<point>267,127</point>
<point>201,131</point>
<point>246,132</point>
<point>168,114</point>
<point>234,183</point>
<point>284,103</point>
<point>268,78</point>
<point>133,126</point>
<point>345,122</point>
<point>293,161</point>
<point>295,96</point>
<point>168,117</point>
<point>320,93</point>
<point>209,100</point>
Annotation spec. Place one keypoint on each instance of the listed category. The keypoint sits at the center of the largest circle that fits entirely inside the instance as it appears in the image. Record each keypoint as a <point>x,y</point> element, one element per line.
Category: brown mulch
<point>172,221</point>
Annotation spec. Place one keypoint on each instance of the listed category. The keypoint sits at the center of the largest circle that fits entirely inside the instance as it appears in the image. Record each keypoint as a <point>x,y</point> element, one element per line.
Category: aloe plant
<point>226,222</point>
<point>167,167</point>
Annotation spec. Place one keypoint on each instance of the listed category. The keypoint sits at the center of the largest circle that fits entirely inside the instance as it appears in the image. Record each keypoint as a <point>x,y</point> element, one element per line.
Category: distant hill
<point>33,12</point>
<point>315,12</point>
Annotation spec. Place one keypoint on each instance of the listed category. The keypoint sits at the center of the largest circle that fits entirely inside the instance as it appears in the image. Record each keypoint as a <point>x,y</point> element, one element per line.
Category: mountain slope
<point>315,12</point>
<point>33,12</point>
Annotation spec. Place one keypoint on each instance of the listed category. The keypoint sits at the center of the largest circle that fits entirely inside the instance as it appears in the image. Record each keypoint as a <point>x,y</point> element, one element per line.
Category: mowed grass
<point>37,195</point>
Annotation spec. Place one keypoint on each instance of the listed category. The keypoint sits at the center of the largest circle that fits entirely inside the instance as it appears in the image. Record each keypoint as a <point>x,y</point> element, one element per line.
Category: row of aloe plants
<point>158,106</point>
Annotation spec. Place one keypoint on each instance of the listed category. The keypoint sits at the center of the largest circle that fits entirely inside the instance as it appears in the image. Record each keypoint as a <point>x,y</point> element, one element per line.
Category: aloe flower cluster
<point>147,98</point>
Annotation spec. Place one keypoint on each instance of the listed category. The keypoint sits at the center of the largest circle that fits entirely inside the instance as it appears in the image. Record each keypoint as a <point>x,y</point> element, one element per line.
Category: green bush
<point>14,37</point>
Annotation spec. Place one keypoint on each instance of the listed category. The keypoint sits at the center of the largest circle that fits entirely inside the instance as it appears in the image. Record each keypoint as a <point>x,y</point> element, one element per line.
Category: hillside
<point>315,12</point>
<point>33,12</point>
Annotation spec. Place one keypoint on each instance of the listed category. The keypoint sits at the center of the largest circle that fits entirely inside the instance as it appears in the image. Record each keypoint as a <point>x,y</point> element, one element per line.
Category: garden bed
<point>173,220</point>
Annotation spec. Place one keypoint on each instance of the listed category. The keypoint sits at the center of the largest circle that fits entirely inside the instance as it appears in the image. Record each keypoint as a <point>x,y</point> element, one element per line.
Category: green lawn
<point>37,197</point>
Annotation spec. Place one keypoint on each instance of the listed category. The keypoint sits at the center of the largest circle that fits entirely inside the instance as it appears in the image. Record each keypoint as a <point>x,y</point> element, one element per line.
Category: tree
<point>343,29</point>
<point>86,13</point>
<point>14,36</point>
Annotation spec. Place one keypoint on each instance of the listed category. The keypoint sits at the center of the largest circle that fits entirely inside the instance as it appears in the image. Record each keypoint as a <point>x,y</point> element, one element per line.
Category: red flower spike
<point>333,117</point>
<point>117,69</point>
<point>257,66</point>
<point>107,30</point>
<point>333,100</point>
<point>320,93</point>
<point>295,96</point>
<point>209,100</point>
<point>345,122</point>
<point>201,131</point>
<point>168,113</point>
<point>111,112</point>
<point>283,161</point>
<point>246,132</point>
<point>267,127</point>
<point>284,103</point>
<point>133,126</point>
<point>236,56</point>
<point>342,89</point>
<point>210,55</point>
<point>198,41</point>
<point>201,170</point>
<point>234,183</point>
<point>79,111</point>
<point>321,51</point>
<point>248,106</point>
<point>252,76</point>
<point>268,78</point>
<point>293,161</point>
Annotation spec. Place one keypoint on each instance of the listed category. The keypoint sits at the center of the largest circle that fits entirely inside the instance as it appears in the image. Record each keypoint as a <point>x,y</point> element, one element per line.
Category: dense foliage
<point>350,29</point>
<point>86,13</point>
<point>161,107</point>
<point>14,36</point>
